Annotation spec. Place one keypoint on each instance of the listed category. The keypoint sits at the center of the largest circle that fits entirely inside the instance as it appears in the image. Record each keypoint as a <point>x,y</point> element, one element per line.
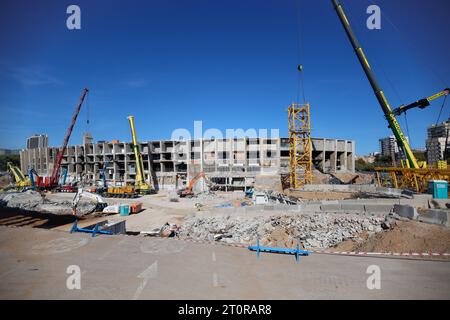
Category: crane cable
<point>433,72</point>
<point>87,113</point>
<point>387,78</point>
<point>412,48</point>
<point>300,84</point>
<point>440,111</point>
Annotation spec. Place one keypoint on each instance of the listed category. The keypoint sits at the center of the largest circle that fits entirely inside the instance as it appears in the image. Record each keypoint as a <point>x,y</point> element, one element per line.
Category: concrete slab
<point>311,208</point>
<point>422,197</point>
<point>352,207</point>
<point>405,211</point>
<point>378,208</point>
<point>330,207</point>
<point>436,216</point>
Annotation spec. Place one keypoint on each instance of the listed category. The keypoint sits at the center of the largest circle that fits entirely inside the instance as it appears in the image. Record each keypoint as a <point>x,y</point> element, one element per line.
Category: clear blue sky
<point>231,64</point>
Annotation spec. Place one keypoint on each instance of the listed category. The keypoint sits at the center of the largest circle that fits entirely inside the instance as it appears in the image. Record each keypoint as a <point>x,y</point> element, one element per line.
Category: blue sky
<point>231,64</point>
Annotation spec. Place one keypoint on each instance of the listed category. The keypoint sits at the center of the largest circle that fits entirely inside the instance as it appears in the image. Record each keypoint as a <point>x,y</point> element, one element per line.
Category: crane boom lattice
<point>300,146</point>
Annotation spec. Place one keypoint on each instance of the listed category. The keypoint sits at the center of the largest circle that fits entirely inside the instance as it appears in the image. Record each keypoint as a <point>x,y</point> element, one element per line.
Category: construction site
<point>251,217</point>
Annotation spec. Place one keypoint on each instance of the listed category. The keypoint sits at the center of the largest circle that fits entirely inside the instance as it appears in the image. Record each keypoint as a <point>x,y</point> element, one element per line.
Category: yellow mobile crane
<point>414,176</point>
<point>388,112</point>
<point>21,180</point>
<point>140,185</point>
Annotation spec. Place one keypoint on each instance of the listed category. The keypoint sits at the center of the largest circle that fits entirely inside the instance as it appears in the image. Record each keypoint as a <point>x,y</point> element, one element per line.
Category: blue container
<point>124,209</point>
<point>438,188</point>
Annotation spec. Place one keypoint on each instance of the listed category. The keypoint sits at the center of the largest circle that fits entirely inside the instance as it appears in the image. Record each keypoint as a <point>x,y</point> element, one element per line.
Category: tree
<point>361,165</point>
<point>383,161</point>
<point>14,158</point>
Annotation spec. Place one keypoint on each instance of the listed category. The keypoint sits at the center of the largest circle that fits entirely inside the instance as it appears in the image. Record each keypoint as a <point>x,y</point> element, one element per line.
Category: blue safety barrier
<point>297,252</point>
<point>94,230</point>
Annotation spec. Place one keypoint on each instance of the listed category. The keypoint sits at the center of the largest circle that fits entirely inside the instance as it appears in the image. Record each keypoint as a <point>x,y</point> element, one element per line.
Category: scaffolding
<point>300,147</point>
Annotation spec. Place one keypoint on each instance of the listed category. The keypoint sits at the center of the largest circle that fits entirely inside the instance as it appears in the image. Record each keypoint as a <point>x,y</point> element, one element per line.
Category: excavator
<point>188,192</point>
<point>411,161</point>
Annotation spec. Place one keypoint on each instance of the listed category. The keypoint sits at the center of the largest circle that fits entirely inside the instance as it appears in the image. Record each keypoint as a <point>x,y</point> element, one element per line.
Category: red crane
<point>52,181</point>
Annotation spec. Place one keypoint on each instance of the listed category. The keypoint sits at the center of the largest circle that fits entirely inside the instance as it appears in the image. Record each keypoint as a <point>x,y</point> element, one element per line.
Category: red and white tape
<point>324,251</point>
<point>390,254</point>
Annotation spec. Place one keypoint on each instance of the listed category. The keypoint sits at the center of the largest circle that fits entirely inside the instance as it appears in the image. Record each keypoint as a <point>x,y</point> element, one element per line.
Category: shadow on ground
<point>13,217</point>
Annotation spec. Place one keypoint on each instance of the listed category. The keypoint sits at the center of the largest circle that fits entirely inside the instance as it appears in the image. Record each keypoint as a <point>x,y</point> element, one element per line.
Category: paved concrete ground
<point>34,265</point>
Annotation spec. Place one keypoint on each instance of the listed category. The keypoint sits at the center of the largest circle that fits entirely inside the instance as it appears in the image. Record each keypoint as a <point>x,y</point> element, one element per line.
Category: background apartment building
<point>37,141</point>
<point>437,141</point>
<point>389,147</point>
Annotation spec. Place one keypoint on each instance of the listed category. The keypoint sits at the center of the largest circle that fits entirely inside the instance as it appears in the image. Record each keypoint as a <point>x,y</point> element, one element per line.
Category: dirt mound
<point>353,178</point>
<point>268,182</point>
<point>316,195</point>
<point>406,236</point>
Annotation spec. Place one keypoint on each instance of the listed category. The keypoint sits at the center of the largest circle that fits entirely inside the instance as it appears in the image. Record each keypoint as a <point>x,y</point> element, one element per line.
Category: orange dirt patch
<point>406,236</point>
<point>314,195</point>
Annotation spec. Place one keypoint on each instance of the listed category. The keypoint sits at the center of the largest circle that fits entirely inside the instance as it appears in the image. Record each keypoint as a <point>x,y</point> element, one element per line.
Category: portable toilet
<point>438,188</point>
<point>124,209</point>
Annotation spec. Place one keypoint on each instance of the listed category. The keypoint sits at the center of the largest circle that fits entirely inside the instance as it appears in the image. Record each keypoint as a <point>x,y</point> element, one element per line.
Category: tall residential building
<point>389,146</point>
<point>437,140</point>
<point>37,141</point>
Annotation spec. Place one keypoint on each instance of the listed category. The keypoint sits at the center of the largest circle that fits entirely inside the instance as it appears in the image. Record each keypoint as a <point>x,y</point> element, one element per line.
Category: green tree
<point>14,158</point>
<point>361,165</point>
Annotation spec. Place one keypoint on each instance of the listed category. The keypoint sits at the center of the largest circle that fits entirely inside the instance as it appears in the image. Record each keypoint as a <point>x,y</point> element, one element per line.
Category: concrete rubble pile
<point>316,230</point>
<point>33,201</point>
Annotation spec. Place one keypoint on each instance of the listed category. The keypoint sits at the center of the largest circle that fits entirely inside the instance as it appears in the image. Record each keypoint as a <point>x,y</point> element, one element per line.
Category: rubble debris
<point>168,230</point>
<point>173,197</point>
<point>317,230</point>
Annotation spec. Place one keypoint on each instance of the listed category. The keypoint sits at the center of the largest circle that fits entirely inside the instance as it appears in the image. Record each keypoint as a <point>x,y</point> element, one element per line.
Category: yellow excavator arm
<point>21,180</point>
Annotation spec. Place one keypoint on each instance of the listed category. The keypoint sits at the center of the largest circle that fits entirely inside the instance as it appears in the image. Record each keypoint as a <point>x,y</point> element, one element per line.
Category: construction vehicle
<point>188,192</point>
<point>22,182</point>
<point>412,175</point>
<point>390,114</point>
<point>50,183</point>
<point>104,187</point>
<point>100,203</point>
<point>31,174</point>
<point>140,184</point>
<point>114,192</point>
<point>121,192</point>
<point>62,186</point>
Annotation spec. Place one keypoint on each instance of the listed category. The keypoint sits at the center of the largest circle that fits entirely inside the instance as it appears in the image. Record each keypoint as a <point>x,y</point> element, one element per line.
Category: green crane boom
<point>389,114</point>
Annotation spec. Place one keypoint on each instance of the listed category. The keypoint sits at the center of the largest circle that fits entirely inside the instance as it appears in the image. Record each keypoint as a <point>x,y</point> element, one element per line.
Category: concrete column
<point>333,161</point>
<point>323,155</point>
